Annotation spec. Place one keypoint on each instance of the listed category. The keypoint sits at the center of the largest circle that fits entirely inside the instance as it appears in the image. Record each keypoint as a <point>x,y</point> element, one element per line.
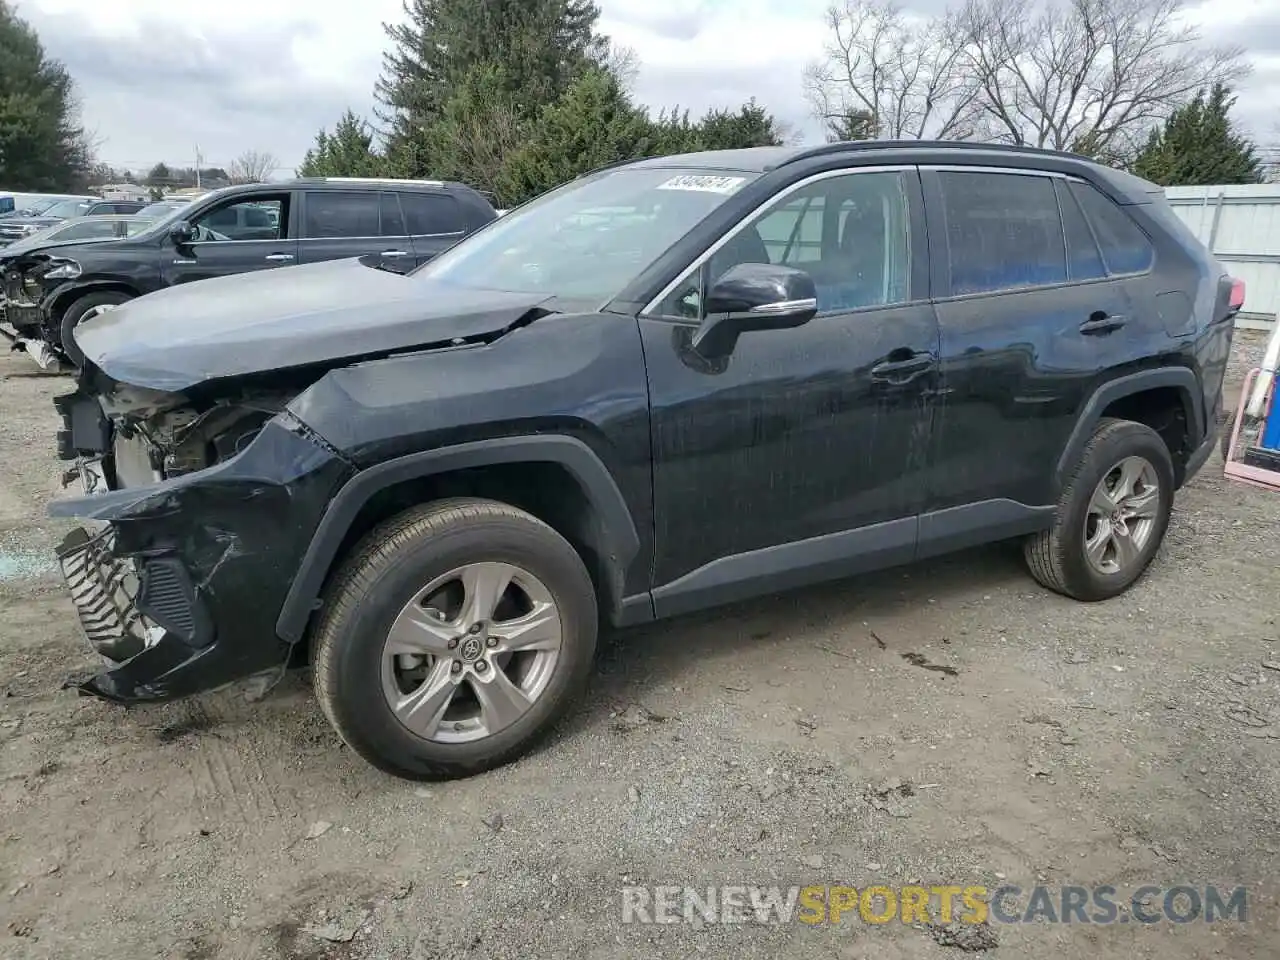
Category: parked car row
<point>663,386</point>
<point>17,228</point>
<point>51,289</point>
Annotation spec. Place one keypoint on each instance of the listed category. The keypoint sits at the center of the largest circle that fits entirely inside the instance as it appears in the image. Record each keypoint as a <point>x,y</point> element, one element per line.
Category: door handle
<point>279,257</point>
<point>394,253</point>
<point>1101,322</point>
<point>901,371</point>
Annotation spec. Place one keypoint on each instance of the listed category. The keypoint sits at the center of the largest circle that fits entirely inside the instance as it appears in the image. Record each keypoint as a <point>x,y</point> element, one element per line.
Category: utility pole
<point>197,166</point>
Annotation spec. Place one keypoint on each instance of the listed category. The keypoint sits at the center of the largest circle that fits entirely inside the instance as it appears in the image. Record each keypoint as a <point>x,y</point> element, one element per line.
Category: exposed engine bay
<point>150,436</point>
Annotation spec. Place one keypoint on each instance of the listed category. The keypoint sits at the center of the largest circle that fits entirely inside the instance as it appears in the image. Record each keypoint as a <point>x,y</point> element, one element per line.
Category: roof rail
<point>428,183</point>
<point>853,146</point>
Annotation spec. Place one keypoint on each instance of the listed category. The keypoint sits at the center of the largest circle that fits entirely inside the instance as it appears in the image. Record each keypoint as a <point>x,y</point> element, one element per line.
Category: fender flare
<point>1181,378</point>
<point>72,290</point>
<point>616,526</point>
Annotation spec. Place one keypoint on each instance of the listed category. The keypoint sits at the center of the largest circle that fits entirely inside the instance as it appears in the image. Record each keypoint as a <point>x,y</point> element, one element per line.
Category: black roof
<point>1123,186</point>
<point>336,183</point>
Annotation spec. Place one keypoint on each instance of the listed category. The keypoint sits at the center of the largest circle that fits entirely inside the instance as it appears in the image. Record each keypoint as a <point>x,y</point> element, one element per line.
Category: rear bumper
<point>1201,454</point>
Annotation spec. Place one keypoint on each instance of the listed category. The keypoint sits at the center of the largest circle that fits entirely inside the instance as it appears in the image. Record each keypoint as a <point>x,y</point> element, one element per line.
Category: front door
<point>800,456</point>
<point>236,236</point>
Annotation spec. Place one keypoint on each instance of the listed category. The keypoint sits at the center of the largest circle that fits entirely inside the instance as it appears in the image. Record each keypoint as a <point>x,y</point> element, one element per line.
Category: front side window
<point>1003,231</point>
<point>333,214</point>
<point>1125,248</point>
<point>589,238</point>
<point>259,218</point>
<point>849,233</point>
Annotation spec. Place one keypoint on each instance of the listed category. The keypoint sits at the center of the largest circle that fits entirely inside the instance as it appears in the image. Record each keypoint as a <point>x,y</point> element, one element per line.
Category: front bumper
<point>180,583</point>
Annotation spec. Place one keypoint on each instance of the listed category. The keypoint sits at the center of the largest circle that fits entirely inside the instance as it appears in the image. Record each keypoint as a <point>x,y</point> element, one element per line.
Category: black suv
<point>399,223</point>
<point>662,386</point>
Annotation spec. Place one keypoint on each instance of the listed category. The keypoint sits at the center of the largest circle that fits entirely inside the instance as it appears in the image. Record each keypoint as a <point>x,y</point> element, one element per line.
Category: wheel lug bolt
<point>477,627</point>
<point>481,666</point>
<point>456,667</point>
<point>453,643</point>
<point>492,641</point>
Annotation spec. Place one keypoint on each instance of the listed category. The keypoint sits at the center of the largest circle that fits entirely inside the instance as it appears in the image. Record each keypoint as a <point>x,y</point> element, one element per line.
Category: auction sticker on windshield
<point>707,184</point>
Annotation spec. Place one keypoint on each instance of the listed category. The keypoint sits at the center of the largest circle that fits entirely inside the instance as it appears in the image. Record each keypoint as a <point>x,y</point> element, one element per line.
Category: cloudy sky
<point>158,77</point>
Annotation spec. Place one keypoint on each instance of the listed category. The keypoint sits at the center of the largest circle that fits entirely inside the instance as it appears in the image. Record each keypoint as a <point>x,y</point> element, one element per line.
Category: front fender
<point>617,529</point>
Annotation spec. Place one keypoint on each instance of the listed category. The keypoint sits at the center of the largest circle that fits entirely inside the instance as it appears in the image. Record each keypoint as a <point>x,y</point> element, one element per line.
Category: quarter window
<point>1003,231</point>
<point>332,214</point>
<point>849,233</point>
<point>1125,248</point>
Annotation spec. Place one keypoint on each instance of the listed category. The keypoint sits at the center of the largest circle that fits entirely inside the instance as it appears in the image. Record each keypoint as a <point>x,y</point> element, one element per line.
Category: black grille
<point>165,595</point>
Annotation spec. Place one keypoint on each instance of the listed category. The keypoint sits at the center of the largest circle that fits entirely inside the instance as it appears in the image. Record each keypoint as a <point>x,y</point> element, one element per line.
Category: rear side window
<point>1003,231</point>
<point>392,218</point>
<point>1125,248</point>
<point>333,214</point>
<point>1084,261</point>
<point>431,213</point>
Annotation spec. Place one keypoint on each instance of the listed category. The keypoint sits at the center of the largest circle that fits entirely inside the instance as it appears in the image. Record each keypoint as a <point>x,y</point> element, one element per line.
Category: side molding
<point>606,499</point>
<point>1179,377</point>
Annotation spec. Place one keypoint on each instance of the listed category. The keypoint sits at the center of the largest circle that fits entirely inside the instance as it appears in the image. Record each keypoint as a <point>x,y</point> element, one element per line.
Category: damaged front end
<point>199,511</point>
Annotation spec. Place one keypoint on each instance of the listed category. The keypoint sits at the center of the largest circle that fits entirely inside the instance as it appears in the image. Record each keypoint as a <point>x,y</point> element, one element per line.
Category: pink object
<point>1242,472</point>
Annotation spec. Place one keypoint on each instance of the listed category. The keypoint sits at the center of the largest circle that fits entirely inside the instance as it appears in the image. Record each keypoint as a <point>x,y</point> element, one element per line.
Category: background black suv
<point>236,230</point>
<point>665,385</point>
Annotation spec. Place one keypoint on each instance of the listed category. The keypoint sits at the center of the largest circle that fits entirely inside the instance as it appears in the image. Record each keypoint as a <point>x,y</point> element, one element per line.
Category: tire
<point>386,577</point>
<point>1057,557</point>
<point>75,314</point>
<point>1226,423</point>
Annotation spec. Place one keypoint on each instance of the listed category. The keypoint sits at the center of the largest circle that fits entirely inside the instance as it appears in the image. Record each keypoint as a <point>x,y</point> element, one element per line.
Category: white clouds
<point>155,77</point>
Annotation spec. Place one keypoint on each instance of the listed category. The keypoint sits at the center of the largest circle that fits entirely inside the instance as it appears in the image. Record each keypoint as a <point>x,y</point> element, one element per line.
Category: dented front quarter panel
<point>237,531</point>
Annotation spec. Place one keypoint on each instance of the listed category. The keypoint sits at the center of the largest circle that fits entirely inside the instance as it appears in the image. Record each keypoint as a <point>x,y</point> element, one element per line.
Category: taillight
<point>1236,300</point>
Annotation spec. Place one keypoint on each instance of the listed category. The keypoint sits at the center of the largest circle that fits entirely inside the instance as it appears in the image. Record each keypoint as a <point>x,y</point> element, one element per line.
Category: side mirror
<point>181,232</point>
<point>754,296</point>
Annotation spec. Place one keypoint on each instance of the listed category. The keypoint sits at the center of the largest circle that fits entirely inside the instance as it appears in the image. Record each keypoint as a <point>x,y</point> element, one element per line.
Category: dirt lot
<point>788,741</point>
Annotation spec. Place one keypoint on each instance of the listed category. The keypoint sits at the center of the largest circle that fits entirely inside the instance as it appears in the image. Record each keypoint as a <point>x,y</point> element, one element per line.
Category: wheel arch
<point>62,298</point>
<point>1113,395</point>
<point>604,531</point>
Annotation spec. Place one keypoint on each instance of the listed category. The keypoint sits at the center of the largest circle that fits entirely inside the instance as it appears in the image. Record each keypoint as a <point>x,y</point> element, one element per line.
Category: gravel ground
<point>809,738</point>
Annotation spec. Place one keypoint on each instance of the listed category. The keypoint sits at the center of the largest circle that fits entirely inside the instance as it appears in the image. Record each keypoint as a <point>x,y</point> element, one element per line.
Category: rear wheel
<point>1112,516</point>
<point>453,639</point>
<point>86,308</point>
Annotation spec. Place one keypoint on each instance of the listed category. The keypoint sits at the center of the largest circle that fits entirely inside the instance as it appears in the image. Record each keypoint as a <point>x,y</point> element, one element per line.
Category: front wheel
<point>1111,517</point>
<point>86,308</point>
<point>453,638</point>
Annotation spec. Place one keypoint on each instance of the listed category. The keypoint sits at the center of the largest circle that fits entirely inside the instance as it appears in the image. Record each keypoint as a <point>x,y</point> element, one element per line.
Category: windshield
<point>68,208</point>
<point>40,206</point>
<point>589,238</point>
<point>160,209</point>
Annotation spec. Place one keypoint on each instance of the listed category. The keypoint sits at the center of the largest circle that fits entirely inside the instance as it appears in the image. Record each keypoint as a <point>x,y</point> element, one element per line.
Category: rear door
<point>337,224</point>
<point>240,234</point>
<point>435,221</point>
<point>1024,308</point>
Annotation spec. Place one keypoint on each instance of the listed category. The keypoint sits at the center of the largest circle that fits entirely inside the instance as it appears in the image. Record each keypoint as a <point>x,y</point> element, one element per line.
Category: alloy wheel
<point>471,653</point>
<point>1122,516</point>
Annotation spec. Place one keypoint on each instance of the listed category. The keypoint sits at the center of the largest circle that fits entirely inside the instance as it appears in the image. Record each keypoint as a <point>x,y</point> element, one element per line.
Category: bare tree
<point>624,63</point>
<point>887,74</point>
<point>1087,75</point>
<point>252,166</point>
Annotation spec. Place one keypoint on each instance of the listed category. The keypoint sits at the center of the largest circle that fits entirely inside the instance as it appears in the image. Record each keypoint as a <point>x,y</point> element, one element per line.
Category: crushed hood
<point>286,317</point>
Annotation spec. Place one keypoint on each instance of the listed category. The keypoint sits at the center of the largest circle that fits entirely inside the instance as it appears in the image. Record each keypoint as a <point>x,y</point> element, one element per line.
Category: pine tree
<point>347,152</point>
<point>751,125</point>
<point>1199,145</point>
<point>542,47</point>
<point>42,148</point>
